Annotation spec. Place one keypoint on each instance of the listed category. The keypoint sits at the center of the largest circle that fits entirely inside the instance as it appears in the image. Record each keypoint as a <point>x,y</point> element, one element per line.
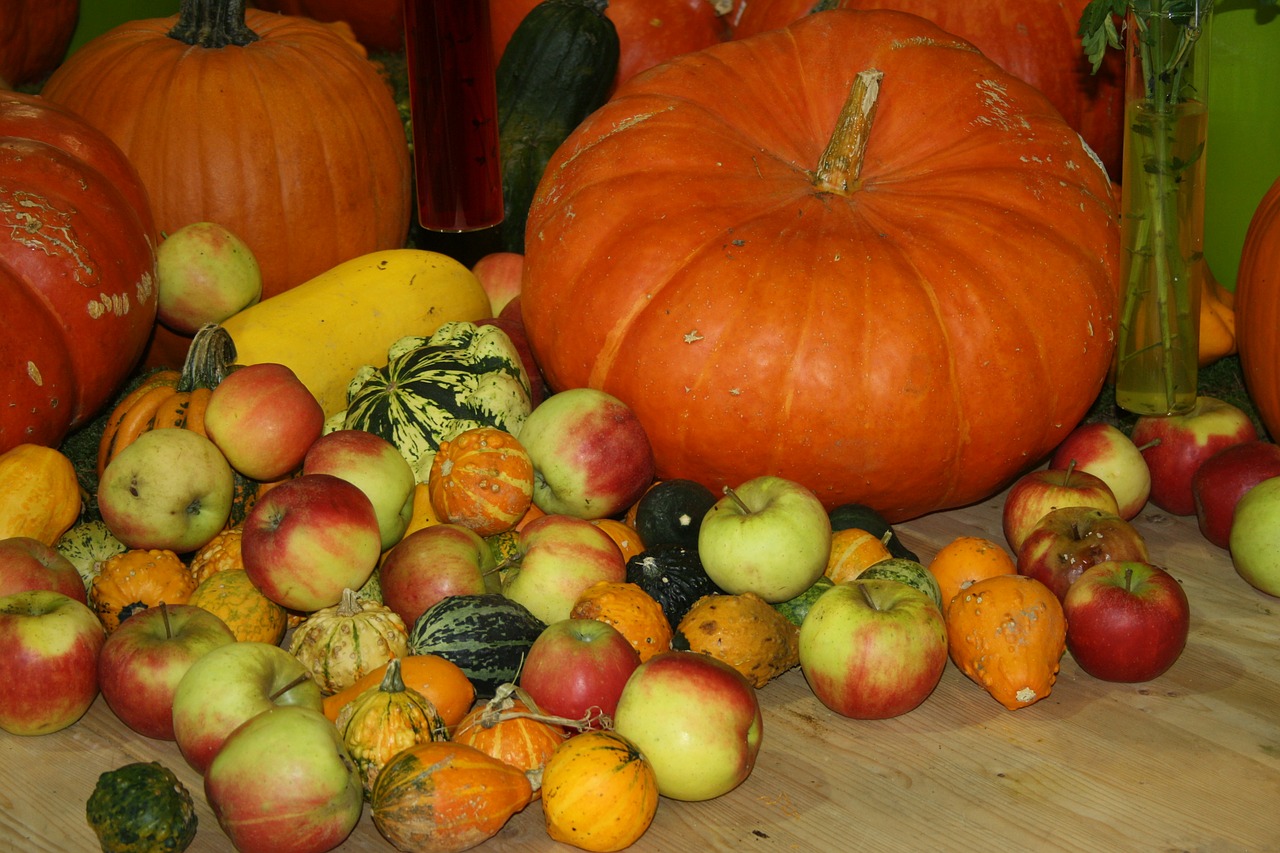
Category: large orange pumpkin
<point>378,24</point>
<point>34,35</point>
<point>1035,40</point>
<point>276,127</point>
<point>1258,309</point>
<point>907,327</point>
<point>77,270</point>
<point>649,31</point>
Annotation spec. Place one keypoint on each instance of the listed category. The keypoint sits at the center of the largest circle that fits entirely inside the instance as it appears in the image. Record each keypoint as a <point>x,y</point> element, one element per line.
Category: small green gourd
<point>142,808</point>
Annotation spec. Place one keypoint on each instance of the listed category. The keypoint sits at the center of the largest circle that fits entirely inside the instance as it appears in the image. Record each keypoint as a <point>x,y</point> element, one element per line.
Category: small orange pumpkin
<point>623,535</point>
<point>482,479</point>
<point>137,579</point>
<point>220,554</point>
<point>626,606</point>
<point>440,680</point>
<point>1008,633</point>
<point>446,796</point>
<point>598,792</point>
<point>40,496</point>
<point>233,598</point>
<point>853,551</point>
<point>510,728</point>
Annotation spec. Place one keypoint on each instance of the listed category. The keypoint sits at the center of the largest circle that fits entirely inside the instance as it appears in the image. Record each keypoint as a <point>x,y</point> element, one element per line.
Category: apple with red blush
<point>1037,493</point>
<point>696,719</point>
<point>591,455</point>
<point>376,466</point>
<point>576,668</point>
<point>501,276</point>
<point>204,274</point>
<point>49,645</point>
<point>1127,621</point>
<point>263,419</point>
<point>144,659</point>
<point>1070,539</point>
<point>1222,480</point>
<point>308,539</point>
<point>434,563</point>
<point>873,649</point>
<point>1175,446</point>
<point>1255,537</point>
<point>1101,449</point>
<point>559,556</point>
<point>26,563</point>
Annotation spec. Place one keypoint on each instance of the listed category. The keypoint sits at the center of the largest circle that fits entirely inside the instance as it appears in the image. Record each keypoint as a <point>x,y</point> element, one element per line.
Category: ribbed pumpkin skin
<point>1037,41</point>
<point>77,270</point>
<point>342,643</point>
<point>909,341</point>
<point>482,479</point>
<point>1258,309</point>
<point>599,792</point>
<point>34,35</point>
<point>292,142</point>
<point>503,728</point>
<point>441,797</point>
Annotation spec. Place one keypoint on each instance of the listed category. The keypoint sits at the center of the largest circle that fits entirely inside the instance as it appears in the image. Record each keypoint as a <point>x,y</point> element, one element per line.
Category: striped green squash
<point>910,572</point>
<point>486,635</point>
<point>433,389</point>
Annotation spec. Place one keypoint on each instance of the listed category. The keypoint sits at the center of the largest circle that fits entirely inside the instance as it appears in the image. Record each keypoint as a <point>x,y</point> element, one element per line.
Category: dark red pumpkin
<point>649,31</point>
<point>34,35</point>
<point>77,270</point>
<point>378,24</point>
<point>1035,40</point>
<point>910,332</point>
<point>1258,309</point>
<point>277,127</point>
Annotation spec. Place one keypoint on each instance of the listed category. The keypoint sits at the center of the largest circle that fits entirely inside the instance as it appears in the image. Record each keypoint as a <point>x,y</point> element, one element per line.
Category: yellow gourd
<point>327,328</point>
<point>39,493</point>
<point>743,631</point>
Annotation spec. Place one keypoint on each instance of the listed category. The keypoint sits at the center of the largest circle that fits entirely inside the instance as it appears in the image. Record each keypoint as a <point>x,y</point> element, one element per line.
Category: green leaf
<point>1098,28</point>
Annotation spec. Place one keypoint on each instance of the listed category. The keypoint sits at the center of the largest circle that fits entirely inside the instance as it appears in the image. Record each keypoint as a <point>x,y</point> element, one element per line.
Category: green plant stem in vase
<point>1162,195</point>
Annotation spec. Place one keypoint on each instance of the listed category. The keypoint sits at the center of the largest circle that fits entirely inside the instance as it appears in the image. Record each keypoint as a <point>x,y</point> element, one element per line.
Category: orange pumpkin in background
<point>276,127</point>
<point>34,35</point>
<point>1257,310</point>
<point>378,24</point>
<point>1037,41</point>
<point>888,326</point>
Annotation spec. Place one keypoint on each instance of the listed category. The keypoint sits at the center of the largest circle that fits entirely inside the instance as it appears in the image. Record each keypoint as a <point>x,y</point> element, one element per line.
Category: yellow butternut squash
<point>346,317</point>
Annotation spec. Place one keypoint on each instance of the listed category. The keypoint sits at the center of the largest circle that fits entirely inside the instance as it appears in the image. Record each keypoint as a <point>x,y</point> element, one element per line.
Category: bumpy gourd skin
<point>744,631</point>
<point>141,808</point>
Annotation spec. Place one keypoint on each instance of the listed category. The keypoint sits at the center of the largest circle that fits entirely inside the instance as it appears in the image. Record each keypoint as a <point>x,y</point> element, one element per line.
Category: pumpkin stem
<point>392,681</point>
<point>841,164</point>
<point>209,359</point>
<point>350,605</point>
<point>213,24</point>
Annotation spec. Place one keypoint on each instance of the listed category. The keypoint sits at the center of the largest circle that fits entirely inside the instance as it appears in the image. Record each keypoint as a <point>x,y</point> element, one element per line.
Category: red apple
<point>230,685</point>
<point>143,660</point>
<point>1101,449</point>
<point>873,649</point>
<point>576,669</point>
<point>263,419</point>
<point>433,563</point>
<point>500,274</point>
<point>1070,539</point>
<point>308,539</point>
<point>591,456</point>
<point>284,783</point>
<point>696,719</point>
<point>49,645</point>
<point>1126,621</point>
<point>559,557</point>
<point>1175,446</point>
<point>1035,494</point>
<point>376,466</point>
<point>27,563</point>
<point>1222,480</point>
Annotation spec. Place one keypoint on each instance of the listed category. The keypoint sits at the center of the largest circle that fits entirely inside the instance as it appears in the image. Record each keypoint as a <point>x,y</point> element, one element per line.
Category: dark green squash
<point>671,512</point>
<point>557,68</point>
<point>865,518</point>
<point>486,635</point>
<point>141,808</point>
<point>673,575</point>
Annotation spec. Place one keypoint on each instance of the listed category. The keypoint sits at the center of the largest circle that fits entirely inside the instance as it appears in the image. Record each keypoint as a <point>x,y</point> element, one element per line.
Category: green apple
<point>204,275</point>
<point>169,489</point>
<point>770,536</point>
<point>1255,537</point>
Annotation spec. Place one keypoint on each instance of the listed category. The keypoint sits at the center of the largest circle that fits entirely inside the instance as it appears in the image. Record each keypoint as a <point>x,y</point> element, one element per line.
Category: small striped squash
<point>486,635</point>
<point>339,644</point>
<point>482,479</point>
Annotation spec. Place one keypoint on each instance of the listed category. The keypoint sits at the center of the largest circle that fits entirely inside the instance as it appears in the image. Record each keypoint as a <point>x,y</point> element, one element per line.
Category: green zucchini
<point>556,70</point>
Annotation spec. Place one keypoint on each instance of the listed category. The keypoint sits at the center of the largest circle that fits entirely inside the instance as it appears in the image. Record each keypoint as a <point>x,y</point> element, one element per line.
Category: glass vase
<point>1162,199</point>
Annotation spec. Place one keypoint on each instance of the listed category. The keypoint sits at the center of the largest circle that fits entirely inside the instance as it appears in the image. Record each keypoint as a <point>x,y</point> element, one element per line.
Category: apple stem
<point>164,615</point>
<point>1071,467</point>
<point>292,684</point>
<point>1128,579</point>
<point>1155,442</point>
<point>742,506</point>
<point>866,596</point>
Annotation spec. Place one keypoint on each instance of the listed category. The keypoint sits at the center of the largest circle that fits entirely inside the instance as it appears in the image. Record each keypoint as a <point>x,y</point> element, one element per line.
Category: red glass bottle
<point>454,106</point>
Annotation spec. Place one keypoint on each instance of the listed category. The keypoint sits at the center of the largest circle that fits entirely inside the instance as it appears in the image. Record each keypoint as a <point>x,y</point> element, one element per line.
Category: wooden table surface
<point>1188,762</point>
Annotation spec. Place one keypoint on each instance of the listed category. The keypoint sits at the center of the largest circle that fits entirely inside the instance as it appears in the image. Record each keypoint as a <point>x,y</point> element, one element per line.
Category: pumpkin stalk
<point>212,24</point>
<point>840,167</point>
